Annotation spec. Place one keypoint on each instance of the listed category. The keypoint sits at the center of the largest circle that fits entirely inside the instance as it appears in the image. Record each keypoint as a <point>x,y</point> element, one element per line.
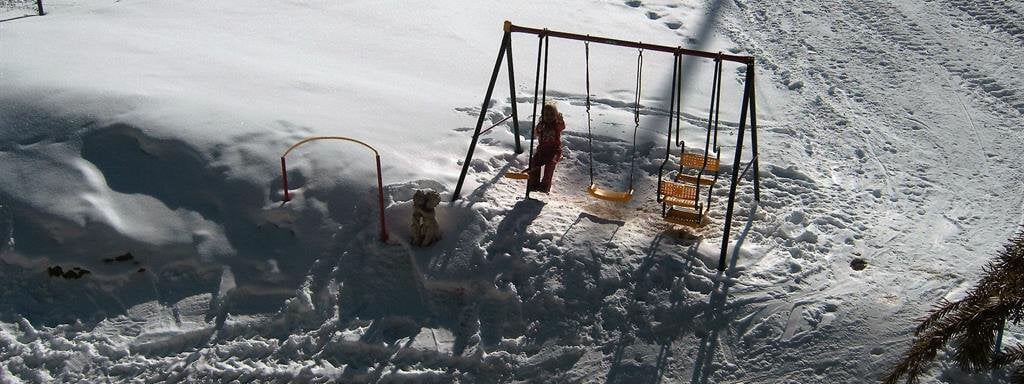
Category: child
<point>549,151</point>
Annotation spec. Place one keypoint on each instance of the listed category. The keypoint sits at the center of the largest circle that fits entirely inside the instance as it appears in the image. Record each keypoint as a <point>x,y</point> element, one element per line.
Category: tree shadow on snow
<point>687,314</point>
<point>510,233</point>
<point>596,219</point>
<point>717,318</point>
<point>18,17</point>
<point>656,273</point>
<point>477,195</point>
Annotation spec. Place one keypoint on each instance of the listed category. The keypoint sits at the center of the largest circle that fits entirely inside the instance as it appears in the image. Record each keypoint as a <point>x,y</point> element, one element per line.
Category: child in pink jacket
<point>549,133</point>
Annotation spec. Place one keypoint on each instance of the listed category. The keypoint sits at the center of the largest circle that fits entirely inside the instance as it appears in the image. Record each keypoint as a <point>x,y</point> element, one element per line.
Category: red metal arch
<point>380,182</point>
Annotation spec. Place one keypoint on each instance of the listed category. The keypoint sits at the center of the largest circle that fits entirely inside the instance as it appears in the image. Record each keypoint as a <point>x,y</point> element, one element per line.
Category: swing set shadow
<point>715,314</point>
<point>39,12</point>
<point>747,105</point>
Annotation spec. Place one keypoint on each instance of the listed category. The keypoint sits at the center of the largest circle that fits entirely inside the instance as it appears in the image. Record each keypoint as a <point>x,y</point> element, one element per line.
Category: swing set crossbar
<point>512,28</point>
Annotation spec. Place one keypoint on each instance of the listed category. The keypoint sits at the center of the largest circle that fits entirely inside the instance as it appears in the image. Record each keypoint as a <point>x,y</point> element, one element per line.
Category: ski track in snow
<point>854,67</point>
<point>864,163</point>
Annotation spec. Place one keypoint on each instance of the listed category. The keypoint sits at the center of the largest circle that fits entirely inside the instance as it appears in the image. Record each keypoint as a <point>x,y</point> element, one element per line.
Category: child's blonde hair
<point>549,108</point>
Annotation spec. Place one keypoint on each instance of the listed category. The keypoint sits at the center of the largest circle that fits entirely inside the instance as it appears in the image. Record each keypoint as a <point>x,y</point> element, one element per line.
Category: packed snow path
<point>890,132</point>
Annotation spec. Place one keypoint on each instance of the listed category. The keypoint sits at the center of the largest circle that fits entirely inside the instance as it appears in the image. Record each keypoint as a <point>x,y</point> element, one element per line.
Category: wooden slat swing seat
<point>680,195</point>
<point>697,161</point>
<point>683,216</point>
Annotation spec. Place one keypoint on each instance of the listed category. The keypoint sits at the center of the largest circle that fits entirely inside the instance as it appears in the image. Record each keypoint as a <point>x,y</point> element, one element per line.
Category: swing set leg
<point>483,111</point>
<point>512,96</point>
<point>747,93</point>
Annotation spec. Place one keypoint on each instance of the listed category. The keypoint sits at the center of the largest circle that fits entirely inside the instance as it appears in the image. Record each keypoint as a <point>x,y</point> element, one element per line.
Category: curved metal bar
<point>380,180</point>
<point>343,138</point>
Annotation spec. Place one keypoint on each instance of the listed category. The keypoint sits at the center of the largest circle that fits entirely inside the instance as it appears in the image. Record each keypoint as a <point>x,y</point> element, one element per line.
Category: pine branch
<point>923,350</point>
<point>941,310</point>
<point>971,324</point>
<point>1010,355</point>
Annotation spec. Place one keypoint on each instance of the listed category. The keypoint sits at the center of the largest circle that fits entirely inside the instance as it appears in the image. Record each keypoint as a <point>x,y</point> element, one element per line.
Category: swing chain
<point>718,100</point>
<point>636,113</point>
<point>639,76</point>
<point>586,48</point>
<point>590,133</point>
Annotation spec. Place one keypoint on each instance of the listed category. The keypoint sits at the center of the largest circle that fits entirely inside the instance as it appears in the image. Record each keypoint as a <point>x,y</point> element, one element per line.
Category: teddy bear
<point>425,230</point>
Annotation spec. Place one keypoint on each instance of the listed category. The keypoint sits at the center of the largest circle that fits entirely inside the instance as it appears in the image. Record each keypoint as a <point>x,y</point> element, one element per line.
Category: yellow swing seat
<point>678,190</point>
<point>605,194</point>
<point>517,175</point>
<point>672,200</point>
<point>683,216</point>
<point>679,194</point>
<point>696,161</point>
<point>704,181</point>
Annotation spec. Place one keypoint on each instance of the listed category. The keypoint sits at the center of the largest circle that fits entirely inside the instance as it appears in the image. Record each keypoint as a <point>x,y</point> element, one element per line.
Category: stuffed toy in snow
<point>424,225</point>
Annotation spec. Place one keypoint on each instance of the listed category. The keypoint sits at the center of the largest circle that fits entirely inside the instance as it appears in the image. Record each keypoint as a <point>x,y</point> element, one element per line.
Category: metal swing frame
<point>747,106</point>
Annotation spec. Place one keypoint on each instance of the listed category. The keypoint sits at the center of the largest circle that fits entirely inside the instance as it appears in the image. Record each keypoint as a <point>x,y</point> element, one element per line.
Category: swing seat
<point>689,218</point>
<point>696,161</point>
<point>675,201</point>
<point>605,194</point>
<point>678,190</point>
<point>694,179</point>
<point>517,175</point>
<point>678,194</point>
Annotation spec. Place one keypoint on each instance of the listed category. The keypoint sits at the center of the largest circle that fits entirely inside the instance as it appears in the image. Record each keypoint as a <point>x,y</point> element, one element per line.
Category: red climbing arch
<point>380,182</point>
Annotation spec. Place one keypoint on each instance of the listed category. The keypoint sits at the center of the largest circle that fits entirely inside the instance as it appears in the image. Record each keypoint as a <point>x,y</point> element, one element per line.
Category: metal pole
<point>632,44</point>
<point>753,134</point>
<point>999,337</point>
<point>533,121</point>
<point>512,94</point>
<point>735,168</point>
<point>718,105</point>
<point>380,202</point>
<point>543,93</point>
<point>715,85</point>
<point>483,112</point>
<point>284,180</point>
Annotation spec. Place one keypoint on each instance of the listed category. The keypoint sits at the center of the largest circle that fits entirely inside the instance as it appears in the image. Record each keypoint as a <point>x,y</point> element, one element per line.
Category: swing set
<point>680,191</point>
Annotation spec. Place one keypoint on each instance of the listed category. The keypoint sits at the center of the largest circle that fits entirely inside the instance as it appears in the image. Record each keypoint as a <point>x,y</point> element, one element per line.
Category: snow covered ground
<point>140,141</point>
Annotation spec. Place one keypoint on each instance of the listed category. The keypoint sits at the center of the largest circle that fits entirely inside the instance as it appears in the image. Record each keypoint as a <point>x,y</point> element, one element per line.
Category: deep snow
<point>888,132</point>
